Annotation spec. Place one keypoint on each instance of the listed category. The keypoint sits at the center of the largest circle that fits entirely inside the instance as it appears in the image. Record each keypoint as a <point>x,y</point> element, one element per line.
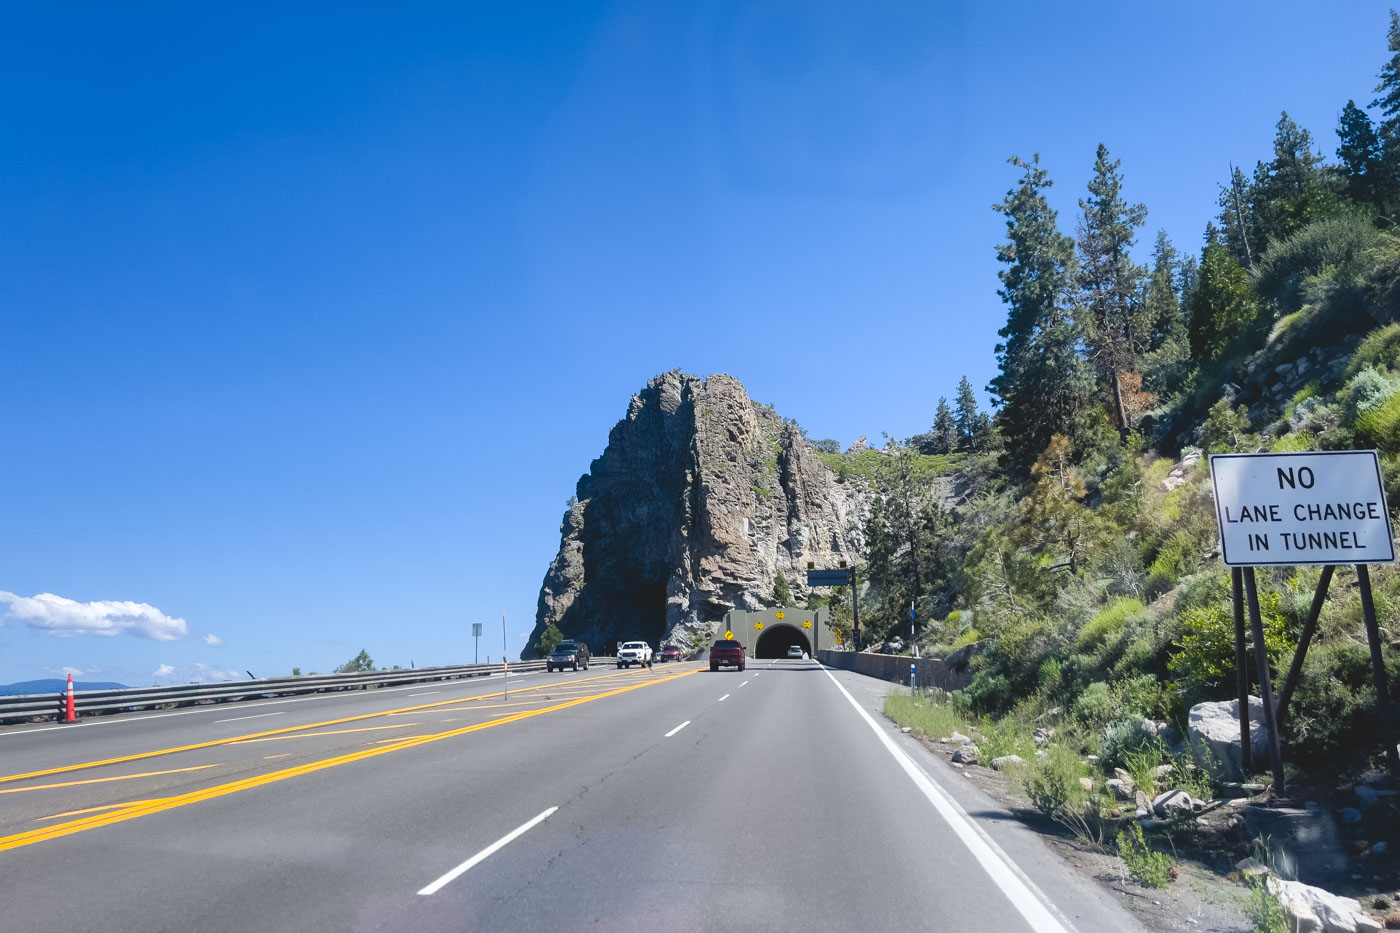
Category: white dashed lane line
<point>486,853</point>
<point>678,728</point>
<point>723,698</point>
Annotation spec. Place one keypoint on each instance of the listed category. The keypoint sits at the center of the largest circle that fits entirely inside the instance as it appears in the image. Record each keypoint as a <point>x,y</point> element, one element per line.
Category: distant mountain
<point>55,685</point>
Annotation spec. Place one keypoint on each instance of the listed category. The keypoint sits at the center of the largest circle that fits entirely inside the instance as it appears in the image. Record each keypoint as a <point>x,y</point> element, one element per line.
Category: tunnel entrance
<point>775,640</point>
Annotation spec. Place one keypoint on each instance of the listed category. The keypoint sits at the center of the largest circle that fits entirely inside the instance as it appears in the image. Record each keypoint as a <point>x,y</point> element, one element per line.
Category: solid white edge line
<point>428,694</point>
<point>487,852</point>
<point>254,716</point>
<point>995,863</point>
<point>723,698</point>
<point>677,729</point>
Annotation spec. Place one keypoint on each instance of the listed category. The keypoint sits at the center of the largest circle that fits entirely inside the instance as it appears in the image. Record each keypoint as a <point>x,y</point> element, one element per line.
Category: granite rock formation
<point>701,498</point>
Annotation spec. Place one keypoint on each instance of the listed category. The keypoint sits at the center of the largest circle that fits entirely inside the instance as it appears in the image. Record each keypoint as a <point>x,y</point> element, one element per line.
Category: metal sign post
<point>505,661</point>
<point>1316,507</point>
<point>476,651</point>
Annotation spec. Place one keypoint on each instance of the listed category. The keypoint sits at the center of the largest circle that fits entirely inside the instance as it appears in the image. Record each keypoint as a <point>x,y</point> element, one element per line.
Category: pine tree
<point>1164,365</point>
<point>1045,386</point>
<point>1388,100</point>
<point>1237,217</point>
<point>1108,280</point>
<point>1292,189</point>
<point>782,593</point>
<point>966,415</point>
<point>1223,309</point>
<point>1160,305</point>
<point>1359,149</point>
<point>945,431</point>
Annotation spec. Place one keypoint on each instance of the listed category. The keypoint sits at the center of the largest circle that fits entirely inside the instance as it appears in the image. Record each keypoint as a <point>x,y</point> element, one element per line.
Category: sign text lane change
<point>1321,507</point>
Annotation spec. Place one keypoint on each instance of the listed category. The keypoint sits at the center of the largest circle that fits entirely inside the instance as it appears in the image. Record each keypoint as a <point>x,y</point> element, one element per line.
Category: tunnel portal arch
<point>776,638</point>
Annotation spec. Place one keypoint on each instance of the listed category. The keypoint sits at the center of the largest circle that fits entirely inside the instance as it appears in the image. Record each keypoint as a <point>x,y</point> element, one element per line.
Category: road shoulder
<point>1083,885</point>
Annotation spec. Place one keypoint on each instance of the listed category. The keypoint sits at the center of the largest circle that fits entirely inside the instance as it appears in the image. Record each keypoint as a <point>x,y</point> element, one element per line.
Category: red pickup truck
<point>727,651</point>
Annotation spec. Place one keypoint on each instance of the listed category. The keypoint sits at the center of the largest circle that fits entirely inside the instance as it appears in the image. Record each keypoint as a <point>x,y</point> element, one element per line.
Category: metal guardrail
<point>43,707</point>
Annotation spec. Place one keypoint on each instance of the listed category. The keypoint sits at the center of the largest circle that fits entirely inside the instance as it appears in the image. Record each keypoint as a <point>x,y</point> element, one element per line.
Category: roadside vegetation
<point>1072,542</point>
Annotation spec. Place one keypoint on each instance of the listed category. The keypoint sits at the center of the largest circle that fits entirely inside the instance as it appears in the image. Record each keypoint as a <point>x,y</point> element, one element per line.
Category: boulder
<point>957,738</point>
<point>1087,784</point>
<point>1171,803</point>
<point>1214,730</point>
<point>1007,761</point>
<point>1121,790</point>
<point>1042,736</point>
<point>966,754</point>
<point>1142,801</point>
<point>1313,910</point>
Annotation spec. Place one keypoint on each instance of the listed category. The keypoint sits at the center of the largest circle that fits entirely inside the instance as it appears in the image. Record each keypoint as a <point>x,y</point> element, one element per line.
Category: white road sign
<point>1322,507</point>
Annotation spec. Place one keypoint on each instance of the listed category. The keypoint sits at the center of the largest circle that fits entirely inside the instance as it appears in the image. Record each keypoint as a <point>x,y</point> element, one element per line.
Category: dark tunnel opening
<point>776,639</point>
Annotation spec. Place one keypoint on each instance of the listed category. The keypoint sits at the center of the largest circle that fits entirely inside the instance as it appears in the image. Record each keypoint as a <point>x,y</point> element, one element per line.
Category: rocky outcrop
<point>1215,736</point>
<point>701,498</point>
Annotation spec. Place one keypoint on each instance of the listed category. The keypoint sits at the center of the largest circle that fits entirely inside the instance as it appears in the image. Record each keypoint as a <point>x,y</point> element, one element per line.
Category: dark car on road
<point>668,653</point>
<point>572,654</point>
<point>727,651</point>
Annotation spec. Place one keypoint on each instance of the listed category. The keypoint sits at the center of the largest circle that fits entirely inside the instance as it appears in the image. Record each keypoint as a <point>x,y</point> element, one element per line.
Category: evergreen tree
<point>1160,304</point>
<point>1045,386</point>
<point>1359,149</point>
<point>1292,189</point>
<point>1237,217</point>
<point>1388,100</point>
<point>945,430</point>
<point>782,593</point>
<point>1108,280</point>
<point>966,414</point>
<point>1164,365</point>
<point>359,664</point>
<point>1223,310</point>
<point>908,535</point>
<point>549,639</point>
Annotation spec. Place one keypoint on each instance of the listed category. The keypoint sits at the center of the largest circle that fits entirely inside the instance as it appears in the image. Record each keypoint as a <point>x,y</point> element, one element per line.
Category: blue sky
<point>312,320</point>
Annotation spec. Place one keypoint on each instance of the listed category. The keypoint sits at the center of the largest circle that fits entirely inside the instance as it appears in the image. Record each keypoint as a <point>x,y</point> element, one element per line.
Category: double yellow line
<point>283,731</point>
<point>146,808</point>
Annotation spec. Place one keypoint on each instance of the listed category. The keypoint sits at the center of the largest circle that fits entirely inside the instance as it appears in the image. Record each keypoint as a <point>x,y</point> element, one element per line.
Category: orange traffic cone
<point>71,714</point>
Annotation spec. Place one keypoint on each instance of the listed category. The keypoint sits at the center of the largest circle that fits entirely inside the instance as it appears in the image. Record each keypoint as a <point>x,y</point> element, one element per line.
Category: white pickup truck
<point>633,652</point>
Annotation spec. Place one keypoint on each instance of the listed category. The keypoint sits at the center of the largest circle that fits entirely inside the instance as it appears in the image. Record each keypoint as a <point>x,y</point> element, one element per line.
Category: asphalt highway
<point>773,799</point>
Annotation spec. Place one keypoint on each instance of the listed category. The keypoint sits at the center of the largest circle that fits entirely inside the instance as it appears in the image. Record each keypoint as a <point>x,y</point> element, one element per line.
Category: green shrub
<point>1049,676</point>
<point>1143,695</point>
<point>1367,390</point>
<point>988,692</point>
<point>1205,659</point>
<point>1053,784</point>
<point>1095,704</point>
<point>1177,557</point>
<point>1315,415</point>
<point>1108,623</point>
<point>1380,426</point>
<point>1145,866</point>
<point>1123,738</point>
<point>1293,442</point>
<point>1380,350</point>
<point>1333,248</point>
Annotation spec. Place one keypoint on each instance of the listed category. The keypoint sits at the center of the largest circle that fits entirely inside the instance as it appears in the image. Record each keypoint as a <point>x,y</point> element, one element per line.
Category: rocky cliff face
<point>700,500</point>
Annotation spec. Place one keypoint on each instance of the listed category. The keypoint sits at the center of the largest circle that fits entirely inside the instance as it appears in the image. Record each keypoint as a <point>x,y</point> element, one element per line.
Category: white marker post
<point>1318,507</point>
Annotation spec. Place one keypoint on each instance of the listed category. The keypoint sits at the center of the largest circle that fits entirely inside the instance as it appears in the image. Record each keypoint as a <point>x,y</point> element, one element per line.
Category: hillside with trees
<point>1071,535</point>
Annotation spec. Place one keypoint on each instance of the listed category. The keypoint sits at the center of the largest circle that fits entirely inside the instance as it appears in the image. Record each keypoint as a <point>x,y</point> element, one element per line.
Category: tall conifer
<point>1108,280</point>
<point>1045,386</point>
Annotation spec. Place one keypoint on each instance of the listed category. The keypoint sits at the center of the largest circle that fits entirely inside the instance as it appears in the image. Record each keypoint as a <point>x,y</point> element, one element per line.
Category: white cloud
<point>213,641</point>
<point>196,673</point>
<point>67,618</point>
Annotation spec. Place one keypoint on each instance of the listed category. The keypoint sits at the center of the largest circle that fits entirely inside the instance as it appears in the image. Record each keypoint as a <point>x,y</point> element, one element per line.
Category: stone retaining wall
<point>928,672</point>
